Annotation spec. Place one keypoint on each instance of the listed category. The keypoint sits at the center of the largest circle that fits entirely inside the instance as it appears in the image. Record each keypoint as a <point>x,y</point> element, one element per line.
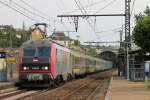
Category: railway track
<point>82,89</point>
<point>8,90</point>
<point>59,92</point>
<point>16,94</point>
<point>86,91</point>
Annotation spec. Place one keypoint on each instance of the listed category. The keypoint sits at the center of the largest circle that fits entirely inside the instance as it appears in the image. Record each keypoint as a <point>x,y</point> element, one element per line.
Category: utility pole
<point>127,36</point>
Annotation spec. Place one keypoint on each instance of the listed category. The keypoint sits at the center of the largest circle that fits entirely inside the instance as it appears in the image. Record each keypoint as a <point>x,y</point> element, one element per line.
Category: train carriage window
<point>29,52</point>
<point>43,51</point>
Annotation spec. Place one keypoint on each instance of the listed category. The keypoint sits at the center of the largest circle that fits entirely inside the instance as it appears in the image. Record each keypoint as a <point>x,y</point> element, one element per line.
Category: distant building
<point>23,34</point>
<point>61,38</point>
<point>35,34</point>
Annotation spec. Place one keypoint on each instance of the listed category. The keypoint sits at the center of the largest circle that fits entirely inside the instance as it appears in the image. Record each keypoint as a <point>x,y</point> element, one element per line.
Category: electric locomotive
<point>38,66</point>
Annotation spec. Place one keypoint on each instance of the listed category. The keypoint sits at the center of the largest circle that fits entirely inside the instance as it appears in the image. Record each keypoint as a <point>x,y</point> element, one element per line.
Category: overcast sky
<point>52,8</point>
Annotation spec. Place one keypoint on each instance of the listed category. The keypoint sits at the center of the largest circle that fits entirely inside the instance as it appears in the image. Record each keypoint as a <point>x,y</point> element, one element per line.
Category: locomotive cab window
<point>29,52</point>
<point>43,51</point>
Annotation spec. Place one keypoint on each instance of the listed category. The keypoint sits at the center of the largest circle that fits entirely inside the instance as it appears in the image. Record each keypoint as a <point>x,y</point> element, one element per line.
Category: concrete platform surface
<point>121,89</point>
<point>5,85</point>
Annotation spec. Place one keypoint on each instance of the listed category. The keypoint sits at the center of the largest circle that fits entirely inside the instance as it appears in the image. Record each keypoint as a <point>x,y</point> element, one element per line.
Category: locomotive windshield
<point>40,51</point>
<point>29,52</point>
<point>43,51</point>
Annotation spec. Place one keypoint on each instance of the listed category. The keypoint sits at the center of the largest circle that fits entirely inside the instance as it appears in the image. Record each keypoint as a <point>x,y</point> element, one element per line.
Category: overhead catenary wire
<point>63,24</point>
<point>115,29</point>
<point>5,3</point>
<point>84,12</point>
<point>13,7</point>
<point>30,11</point>
<point>37,10</point>
<point>105,6</point>
<point>9,4</point>
<point>62,3</point>
<point>95,25</point>
<point>87,6</point>
<point>101,9</point>
<point>42,12</point>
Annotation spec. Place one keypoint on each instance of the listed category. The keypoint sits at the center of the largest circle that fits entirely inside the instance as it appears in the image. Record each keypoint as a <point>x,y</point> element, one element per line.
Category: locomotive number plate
<point>35,77</point>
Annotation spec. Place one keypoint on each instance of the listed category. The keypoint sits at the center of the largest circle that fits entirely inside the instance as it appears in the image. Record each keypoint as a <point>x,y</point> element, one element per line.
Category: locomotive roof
<point>36,43</point>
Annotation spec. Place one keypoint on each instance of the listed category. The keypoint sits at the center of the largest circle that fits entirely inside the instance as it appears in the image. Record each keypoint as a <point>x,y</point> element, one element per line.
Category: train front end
<point>34,64</point>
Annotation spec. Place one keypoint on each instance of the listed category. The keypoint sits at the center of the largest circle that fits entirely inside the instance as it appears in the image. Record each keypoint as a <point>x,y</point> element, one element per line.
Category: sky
<point>49,9</point>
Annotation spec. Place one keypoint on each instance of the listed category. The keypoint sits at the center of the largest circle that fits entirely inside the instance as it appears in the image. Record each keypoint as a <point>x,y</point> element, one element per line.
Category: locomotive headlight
<point>46,68</point>
<point>24,68</point>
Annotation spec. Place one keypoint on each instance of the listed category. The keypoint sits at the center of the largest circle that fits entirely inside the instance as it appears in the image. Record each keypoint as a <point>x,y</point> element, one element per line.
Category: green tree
<point>141,32</point>
<point>8,37</point>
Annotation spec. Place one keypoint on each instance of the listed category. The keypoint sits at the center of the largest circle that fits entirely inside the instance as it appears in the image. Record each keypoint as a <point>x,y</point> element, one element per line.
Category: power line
<point>86,19</point>
<point>62,3</point>
<point>4,3</point>
<point>93,27</point>
<point>48,24</point>
<point>62,23</point>
<point>30,11</point>
<point>80,8</point>
<point>84,12</point>
<point>37,10</point>
<point>33,12</point>
<point>20,12</point>
<point>110,3</point>
<point>87,6</point>
<point>115,29</point>
<point>102,15</point>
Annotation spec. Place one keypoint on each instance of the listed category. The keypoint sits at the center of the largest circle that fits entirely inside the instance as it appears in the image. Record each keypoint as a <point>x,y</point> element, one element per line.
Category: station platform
<point>5,85</point>
<point>121,89</point>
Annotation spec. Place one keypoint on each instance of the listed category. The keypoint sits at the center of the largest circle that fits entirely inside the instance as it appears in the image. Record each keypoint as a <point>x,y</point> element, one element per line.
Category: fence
<point>136,70</point>
<point>137,74</point>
